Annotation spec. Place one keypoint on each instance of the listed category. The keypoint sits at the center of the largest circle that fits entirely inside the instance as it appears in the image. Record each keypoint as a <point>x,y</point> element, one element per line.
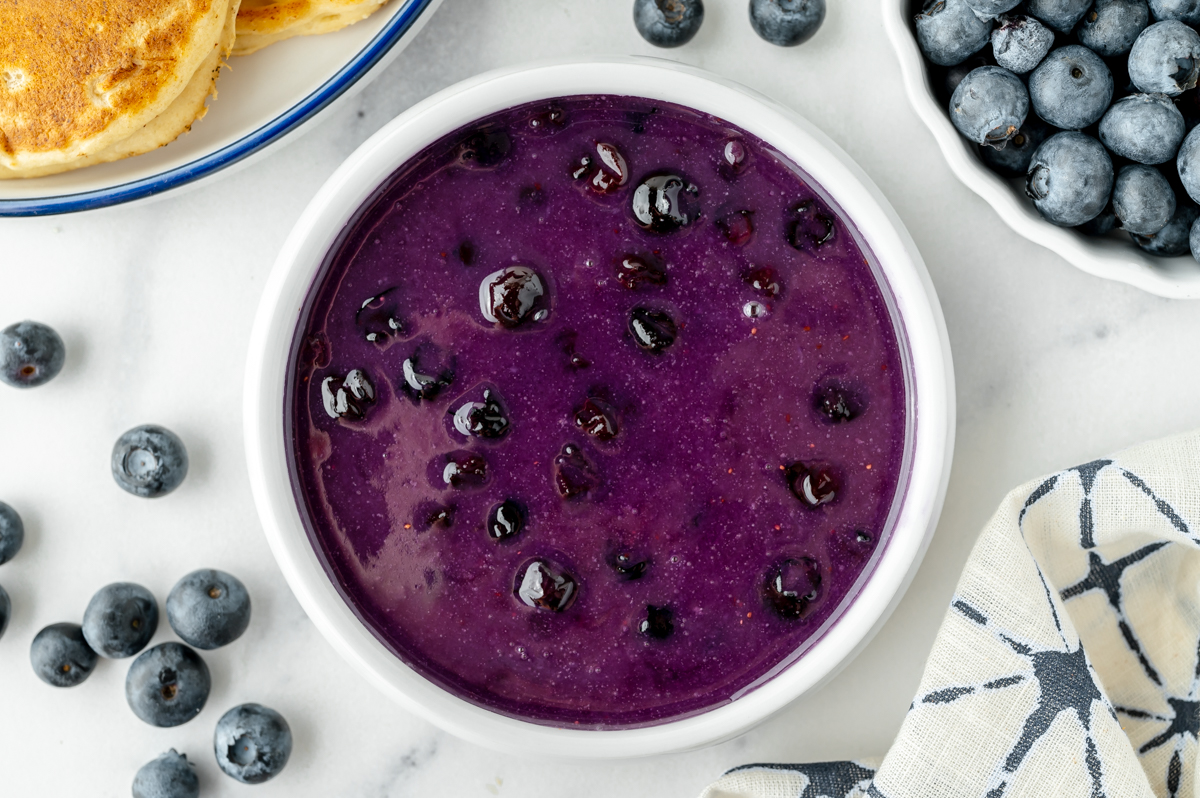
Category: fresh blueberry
<point>949,32</point>
<point>658,622</point>
<point>426,373</point>
<point>486,419</point>
<point>628,564</point>
<point>990,9</point>
<point>814,484</point>
<point>61,656</point>
<point>1188,164</point>
<point>597,418</point>
<point>574,476</point>
<point>605,172</point>
<point>349,396</point>
<point>379,317</point>
<point>1013,160</point>
<point>1142,199</point>
<point>208,608</point>
<point>5,610</point>
<point>1112,26</point>
<point>167,685</point>
<point>1174,239</point>
<point>1100,225</point>
<point>12,533</point>
<point>484,149</point>
<point>546,586</point>
<point>168,776</point>
<point>634,272</point>
<point>252,743</point>
<point>506,520</point>
<point>668,23</point>
<point>956,74</point>
<point>512,296</point>
<point>31,354</point>
<point>149,461</point>
<point>1070,179</point>
<point>120,620</point>
<point>663,203</point>
<point>1058,14</point>
<point>989,106</point>
<point>1187,11</point>
<point>431,514</point>
<point>836,403</point>
<point>653,330</point>
<point>736,227</point>
<point>1146,128</point>
<point>1165,59</point>
<point>463,469</point>
<point>1193,236</point>
<point>1020,43</point>
<point>787,22</point>
<point>791,585</point>
<point>809,226</point>
<point>1071,88</point>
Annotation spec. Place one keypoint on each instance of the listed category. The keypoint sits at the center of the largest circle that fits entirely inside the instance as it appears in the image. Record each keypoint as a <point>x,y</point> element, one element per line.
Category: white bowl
<point>1115,258</point>
<point>264,98</point>
<point>903,278</point>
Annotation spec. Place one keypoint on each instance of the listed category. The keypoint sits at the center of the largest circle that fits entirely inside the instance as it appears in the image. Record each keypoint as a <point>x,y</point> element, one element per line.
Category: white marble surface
<point>155,303</point>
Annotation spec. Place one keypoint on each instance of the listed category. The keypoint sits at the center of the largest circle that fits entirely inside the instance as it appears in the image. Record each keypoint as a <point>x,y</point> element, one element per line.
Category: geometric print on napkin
<point>1068,662</point>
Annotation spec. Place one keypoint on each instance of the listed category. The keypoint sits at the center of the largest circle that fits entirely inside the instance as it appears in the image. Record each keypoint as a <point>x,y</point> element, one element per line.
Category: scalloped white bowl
<point>899,270</point>
<point>1111,258</point>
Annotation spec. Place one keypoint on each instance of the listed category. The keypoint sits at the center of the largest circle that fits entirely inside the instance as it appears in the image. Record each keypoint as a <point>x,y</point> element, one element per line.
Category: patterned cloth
<point>1068,663</point>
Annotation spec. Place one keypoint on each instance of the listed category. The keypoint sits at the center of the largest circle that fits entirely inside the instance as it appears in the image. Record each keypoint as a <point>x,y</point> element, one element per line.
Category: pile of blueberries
<point>671,23</point>
<point>1094,103</point>
<point>166,685</point>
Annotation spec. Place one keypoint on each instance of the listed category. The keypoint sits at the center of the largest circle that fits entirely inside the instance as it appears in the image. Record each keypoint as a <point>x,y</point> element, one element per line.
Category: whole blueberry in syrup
<point>628,564</point>
<point>668,23</point>
<point>812,484</point>
<point>426,373</point>
<point>765,281</point>
<point>836,404</point>
<point>574,476</point>
<point>546,586</point>
<point>657,623</point>
<point>604,172</point>
<point>664,203</point>
<point>791,586</point>
<point>733,159</point>
<point>378,318</point>
<point>512,296</point>
<point>349,396</point>
<point>431,514</point>
<point>653,330</point>
<point>809,227</point>
<point>737,227</point>
<point>484,149</point>
<point>597,418</point>
<point>506,520</point>
<point>464,469</point>
<point>31,354</point>
<point>486,419</point>
<point>635,271</point>
<point>149,461</point>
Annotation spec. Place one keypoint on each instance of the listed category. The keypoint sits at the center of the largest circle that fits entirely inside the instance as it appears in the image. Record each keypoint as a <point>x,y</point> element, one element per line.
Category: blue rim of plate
<point>244,147</point>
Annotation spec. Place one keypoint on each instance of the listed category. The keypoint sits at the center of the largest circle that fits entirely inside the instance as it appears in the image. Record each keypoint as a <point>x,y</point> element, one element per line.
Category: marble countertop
<point>155,302</point>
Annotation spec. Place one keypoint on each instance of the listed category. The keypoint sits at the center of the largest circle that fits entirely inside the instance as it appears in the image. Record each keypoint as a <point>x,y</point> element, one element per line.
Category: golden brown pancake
<point>263,22</point>
<point>90,81</point>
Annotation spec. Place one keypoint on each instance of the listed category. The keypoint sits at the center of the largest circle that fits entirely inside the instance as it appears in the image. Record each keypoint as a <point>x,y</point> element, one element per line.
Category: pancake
<point>263,22</point>
<point>139,74</point>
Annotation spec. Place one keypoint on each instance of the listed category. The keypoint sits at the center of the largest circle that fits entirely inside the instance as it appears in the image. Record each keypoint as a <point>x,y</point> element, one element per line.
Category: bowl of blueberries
<point>1074,119</point>
<point>598,408</point>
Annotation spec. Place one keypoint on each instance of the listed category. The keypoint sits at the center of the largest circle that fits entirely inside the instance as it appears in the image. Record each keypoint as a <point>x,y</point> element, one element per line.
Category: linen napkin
<point>1068,662</point>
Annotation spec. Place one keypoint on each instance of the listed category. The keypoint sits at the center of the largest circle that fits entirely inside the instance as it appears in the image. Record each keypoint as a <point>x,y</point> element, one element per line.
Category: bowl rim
<point>1176,278</point>
<point>402,21</point>
<point>303,253</point>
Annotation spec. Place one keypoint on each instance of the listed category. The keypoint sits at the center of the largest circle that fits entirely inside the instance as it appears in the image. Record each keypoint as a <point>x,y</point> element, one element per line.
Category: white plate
<point>263,98</point>
<point>1111,258</point>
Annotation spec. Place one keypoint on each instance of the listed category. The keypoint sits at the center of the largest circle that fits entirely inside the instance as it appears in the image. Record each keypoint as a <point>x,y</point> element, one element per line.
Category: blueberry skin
<point>1071,88</point>
<point>120,620</point>
<point>1188,163</point>
<point>167,685</point>
<point>989,9</point>
<point>170,775</point>
<point>989,106</point>
<point>5,610</point>
<point>1101,225</point>
<point>1112,26</point>
<point>1020,43</point>
<point>949,33</point>
<point>12,533</point>
<point>1142,199</point>
<point>252,743</point>
<point>1165,59</point>
<point>1058,14</point>
<point>786,22</point>
<point>208,608</point>
<point>1013,160</point>
<point>1193,235</point>
<point>1187,11</point>
<point>1146,128</point>
<point>1070,179</point>
<point>1172,240</point>
<point>149,461</point>
<point>31,354</point>
<point>668,23</point>
<point>61,656</point>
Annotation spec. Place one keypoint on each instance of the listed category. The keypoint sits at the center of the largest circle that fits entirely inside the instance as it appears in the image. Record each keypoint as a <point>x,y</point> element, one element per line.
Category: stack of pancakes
<point>90,81</point>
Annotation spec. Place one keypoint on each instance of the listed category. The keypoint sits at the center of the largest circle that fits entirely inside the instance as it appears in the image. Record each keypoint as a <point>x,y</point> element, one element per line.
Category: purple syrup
<point>627,446</point>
